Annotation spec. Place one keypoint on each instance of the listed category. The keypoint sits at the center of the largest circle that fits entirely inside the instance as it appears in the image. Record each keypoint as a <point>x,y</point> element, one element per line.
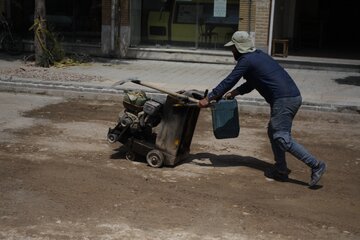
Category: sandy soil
<point>60,179</point>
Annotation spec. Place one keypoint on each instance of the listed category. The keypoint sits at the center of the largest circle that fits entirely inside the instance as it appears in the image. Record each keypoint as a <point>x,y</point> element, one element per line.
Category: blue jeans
<point>283,111</point>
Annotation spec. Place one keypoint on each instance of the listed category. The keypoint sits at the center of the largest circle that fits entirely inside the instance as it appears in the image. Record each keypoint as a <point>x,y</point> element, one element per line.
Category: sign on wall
<point>219,8</point>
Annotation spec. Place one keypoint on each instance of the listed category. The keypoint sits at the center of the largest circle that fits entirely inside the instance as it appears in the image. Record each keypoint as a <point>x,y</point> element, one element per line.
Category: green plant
<point>52,50</point>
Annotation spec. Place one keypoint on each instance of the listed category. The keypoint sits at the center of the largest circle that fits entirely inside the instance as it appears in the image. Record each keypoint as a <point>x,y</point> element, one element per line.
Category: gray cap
<point>242,42</point>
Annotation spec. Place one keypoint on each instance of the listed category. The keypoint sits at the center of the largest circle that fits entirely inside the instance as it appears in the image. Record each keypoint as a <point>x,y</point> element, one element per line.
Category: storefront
<point>183,23</point>
<point>112,27</point>
<point>312,28</point>
<point>318,28</point>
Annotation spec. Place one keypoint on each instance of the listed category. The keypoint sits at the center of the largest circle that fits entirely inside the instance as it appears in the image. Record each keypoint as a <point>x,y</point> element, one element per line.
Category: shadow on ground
<point>218,161</point>
<point>351,80</point>
<point>231,160</point>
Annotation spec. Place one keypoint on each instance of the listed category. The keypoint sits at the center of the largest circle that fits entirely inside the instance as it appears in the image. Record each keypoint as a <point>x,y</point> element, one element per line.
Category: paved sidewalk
<point>320,89</point>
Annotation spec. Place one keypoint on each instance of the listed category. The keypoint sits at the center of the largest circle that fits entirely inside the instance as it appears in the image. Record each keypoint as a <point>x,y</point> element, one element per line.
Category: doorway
<point>319,28</point>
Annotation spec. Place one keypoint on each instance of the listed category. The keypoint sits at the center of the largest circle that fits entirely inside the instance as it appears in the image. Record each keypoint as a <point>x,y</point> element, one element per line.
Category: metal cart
<point>160,131</point>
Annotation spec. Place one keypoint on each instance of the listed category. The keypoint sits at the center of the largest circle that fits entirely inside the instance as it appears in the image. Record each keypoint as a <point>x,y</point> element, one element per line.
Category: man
<point>264,74</point>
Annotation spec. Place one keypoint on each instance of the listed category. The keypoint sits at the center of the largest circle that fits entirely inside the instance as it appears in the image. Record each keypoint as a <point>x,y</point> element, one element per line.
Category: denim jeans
<point>283,111</point>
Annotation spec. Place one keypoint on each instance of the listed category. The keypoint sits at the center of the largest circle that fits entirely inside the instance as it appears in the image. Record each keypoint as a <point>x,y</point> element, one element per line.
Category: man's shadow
<point>228,160</point>
<point>231,160</point>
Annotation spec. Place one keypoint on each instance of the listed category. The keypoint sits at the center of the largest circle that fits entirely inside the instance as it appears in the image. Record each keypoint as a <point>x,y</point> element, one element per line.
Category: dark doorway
<point>319,28</point>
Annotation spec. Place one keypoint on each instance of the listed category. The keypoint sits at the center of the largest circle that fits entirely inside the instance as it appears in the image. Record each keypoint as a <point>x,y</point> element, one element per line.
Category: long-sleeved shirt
<point>262,73</point>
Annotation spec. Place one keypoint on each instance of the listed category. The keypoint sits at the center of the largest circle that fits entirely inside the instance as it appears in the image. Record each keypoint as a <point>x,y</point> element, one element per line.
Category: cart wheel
<point>130,156</point>
<point>112,138</point>
<point>155,158</point>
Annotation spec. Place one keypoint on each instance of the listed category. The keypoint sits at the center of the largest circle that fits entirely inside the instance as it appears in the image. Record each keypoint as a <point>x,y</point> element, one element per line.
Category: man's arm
<point>230,81</point>
<point>241,90</point>
<point>244,88</point>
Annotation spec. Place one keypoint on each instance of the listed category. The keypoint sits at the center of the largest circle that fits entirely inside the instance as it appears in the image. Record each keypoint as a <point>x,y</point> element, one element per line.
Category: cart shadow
<point>232,160</point>
<point>120,154</point>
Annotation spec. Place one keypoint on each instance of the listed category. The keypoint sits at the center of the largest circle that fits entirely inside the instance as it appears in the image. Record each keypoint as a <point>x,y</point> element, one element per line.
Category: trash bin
<point>176,130</point>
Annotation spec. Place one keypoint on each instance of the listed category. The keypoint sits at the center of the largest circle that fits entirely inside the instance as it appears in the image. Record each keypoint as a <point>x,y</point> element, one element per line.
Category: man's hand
<point>228,96</point>
<point>203,103</point>
<point>231,95</point>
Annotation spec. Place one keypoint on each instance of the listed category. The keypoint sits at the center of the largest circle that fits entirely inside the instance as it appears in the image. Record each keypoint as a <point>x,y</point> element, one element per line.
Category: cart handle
<point>174,94</point>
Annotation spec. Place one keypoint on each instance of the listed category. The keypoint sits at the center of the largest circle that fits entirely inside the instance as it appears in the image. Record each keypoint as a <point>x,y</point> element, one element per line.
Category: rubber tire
<point>155,158</point>
<point>111,138</point>
<point>130,156</point>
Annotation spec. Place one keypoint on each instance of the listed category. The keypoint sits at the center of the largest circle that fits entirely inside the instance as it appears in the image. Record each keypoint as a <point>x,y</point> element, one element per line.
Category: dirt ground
<point>60,179</point>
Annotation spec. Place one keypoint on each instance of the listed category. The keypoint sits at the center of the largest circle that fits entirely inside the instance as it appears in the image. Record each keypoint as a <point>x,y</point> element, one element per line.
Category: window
<point>187,23</point>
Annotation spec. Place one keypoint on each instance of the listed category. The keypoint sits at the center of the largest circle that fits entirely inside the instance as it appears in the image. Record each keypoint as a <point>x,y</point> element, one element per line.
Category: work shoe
<point>317,172</point>
<point>277,175</point>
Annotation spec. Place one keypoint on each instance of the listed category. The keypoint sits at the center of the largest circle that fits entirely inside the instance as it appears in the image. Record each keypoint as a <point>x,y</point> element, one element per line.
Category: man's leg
<point>279,172</point>
<point>318,168</point>
<point>283,113</point>
<point>279,154</point>
<point>298,151</point>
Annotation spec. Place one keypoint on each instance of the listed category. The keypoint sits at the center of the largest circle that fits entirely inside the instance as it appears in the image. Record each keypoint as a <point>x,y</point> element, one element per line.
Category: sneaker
<point>316,173</point>
<point>277,175</point>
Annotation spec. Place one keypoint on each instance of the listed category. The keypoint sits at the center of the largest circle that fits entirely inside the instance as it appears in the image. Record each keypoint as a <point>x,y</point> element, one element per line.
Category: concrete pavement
<point>325,90</point>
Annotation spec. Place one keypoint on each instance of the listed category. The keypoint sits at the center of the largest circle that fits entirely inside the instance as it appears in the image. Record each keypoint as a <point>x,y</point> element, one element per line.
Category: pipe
<point>7,9</point>
<point>249,23</point>
<point>197,25</point>
<point>271,28</point>
<point>113,14</point>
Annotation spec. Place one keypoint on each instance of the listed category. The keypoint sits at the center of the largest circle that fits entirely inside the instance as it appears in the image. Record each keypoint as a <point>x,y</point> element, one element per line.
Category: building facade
<point>315,28</point>
<point>182,24</point>
<point>319,28</point>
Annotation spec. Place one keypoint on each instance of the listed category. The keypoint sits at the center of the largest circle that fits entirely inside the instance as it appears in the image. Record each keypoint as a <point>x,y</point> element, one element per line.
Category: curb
<point>225,57</point>
<point>313,65</point>
<point>109,93</point>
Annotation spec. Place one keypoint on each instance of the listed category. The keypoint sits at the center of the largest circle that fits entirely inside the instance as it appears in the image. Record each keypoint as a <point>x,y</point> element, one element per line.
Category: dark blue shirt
<point>262,73</point>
